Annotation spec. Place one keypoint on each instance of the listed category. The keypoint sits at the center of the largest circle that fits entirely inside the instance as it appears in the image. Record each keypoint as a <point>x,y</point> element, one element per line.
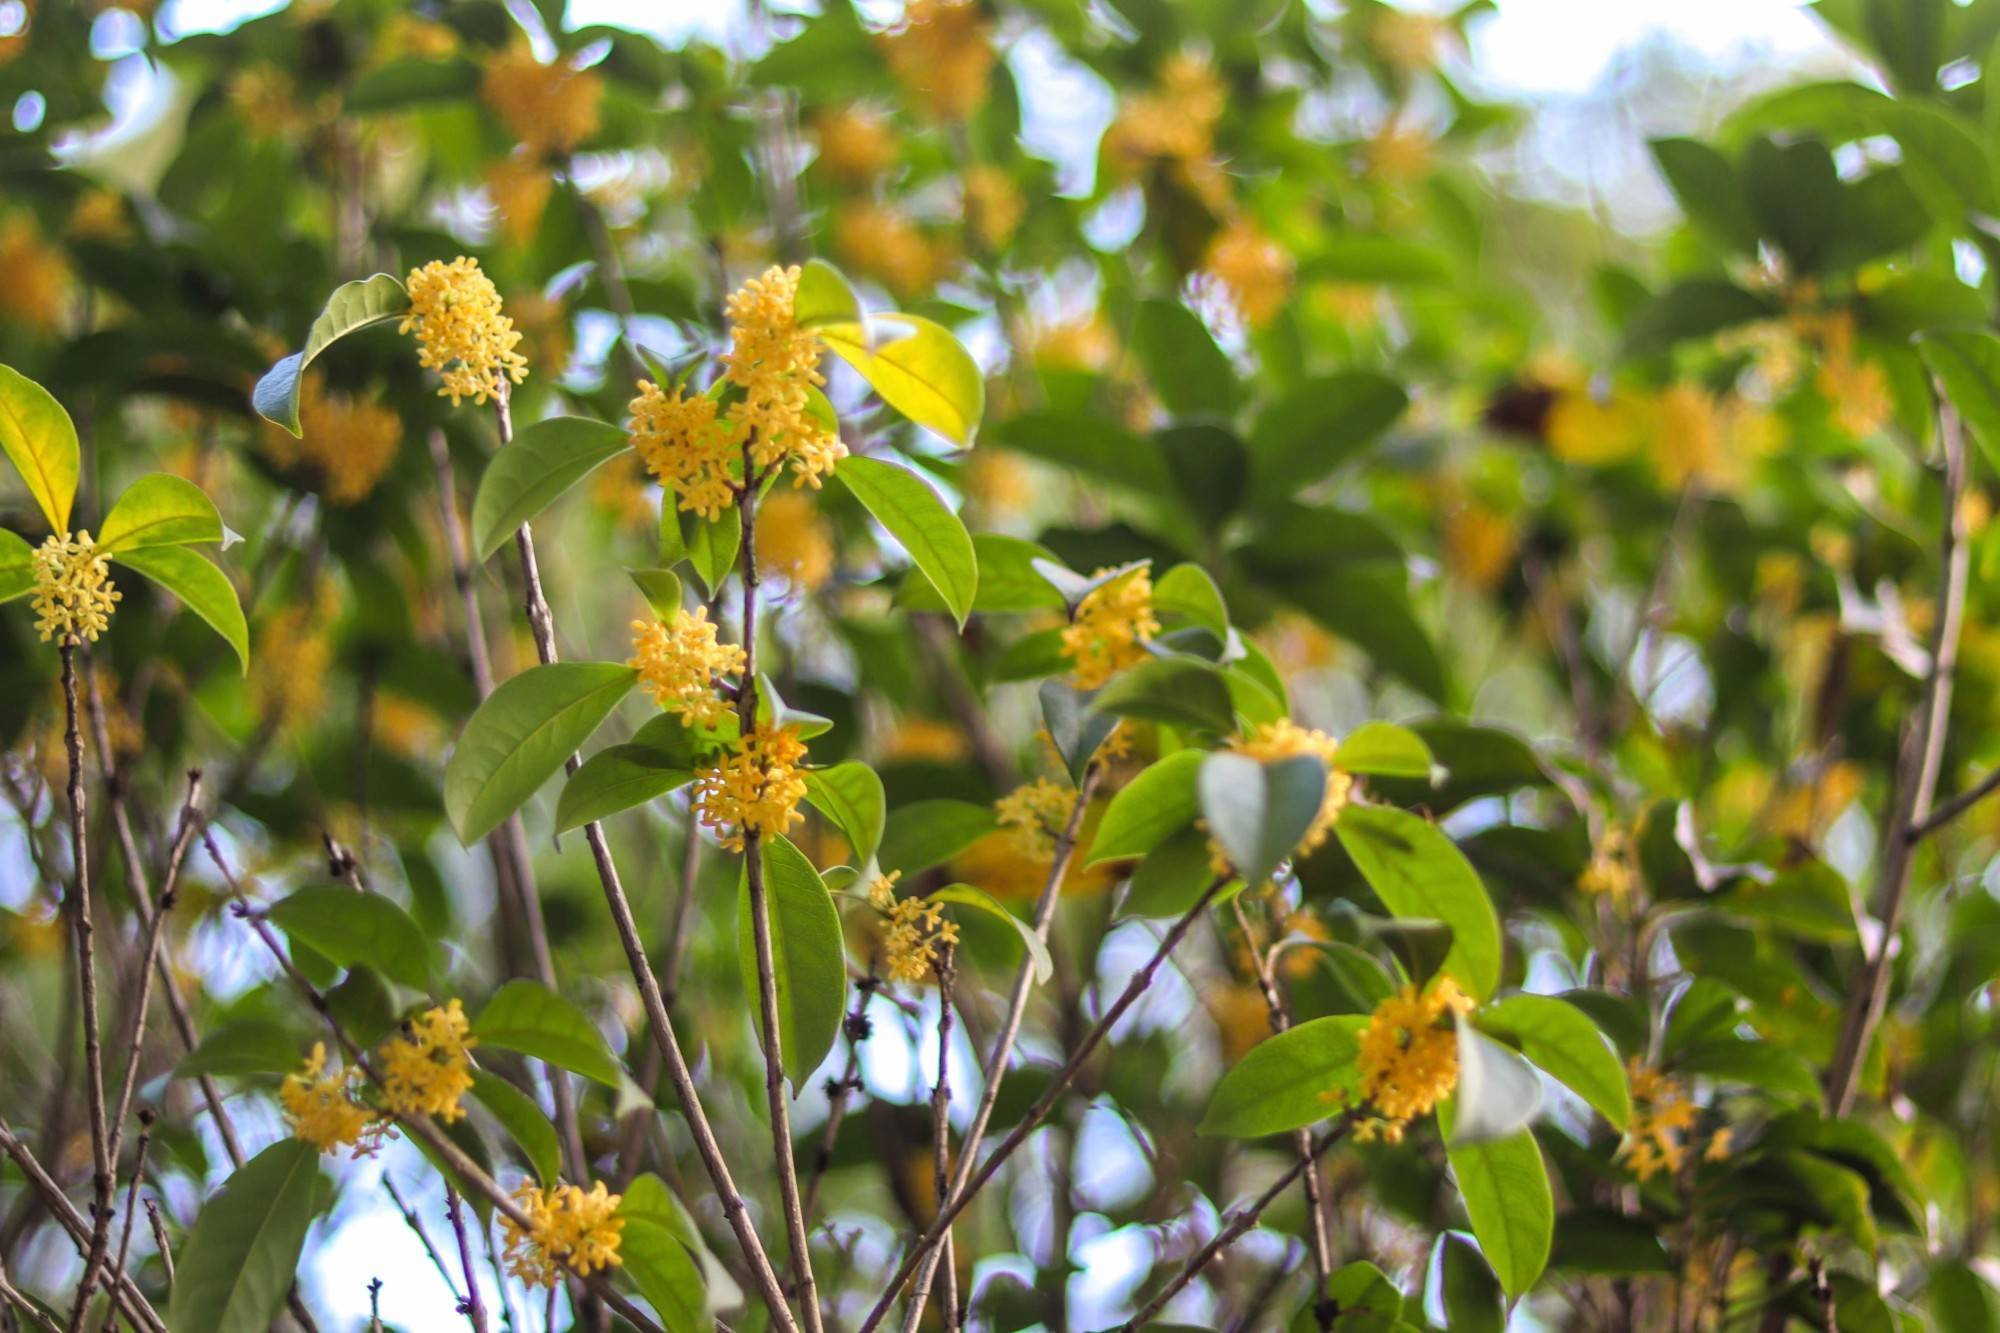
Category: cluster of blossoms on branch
<point>73,594</point>
<point>426,1069</point>
<point>462,332</point>
<point>1408,1056</point>
<point>1111,627</point>
<point>569,1229</point>
<point>678,664</point>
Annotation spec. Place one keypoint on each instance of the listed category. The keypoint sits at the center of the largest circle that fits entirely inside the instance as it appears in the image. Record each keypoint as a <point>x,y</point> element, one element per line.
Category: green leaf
<point>40,441</point>
<point>401,84</point>
<point>159,509</point>
<point>523,1120</point>
<point>967,895</point>
<point>824,297</point>
<point>1172,877</point>
<point>349,928</point>
<point>1600,1241</point>
<point>1498,1091</point>
<point>1189,593</point>
<point>1506,1193</point>
<point>248,1046</point>
<point>17,566</point>
<point>1320,425</point>
<point>1796,196</point>
<point>521,735</point>
<point>1258,812</point>
<point>662,590</point>
<point>1177,691</point>
<point>1296,1078</point>
<point>528,1017</point>
<point>1419,874</point>
<point>807,953</point>
<point>657,1258</point>
<point>202,588</point>
<point>1382,749</point>
<point>1967,363</point>
<point>243,1253</point>
<point>934,536</point>
<point>851,795</point>
<point>617,778</point>
<point>1099,449</point>
<point>1151,807</point>
<point>1707,188</point>
<point>352,307</point>
<point>921,835</point>
<point>1008,583</point>
<point>712,546</point>
<point>1076,728</point>
<point>926,374</point>
<point>1470,1295</point>
<point>1187,370</point>
<point>1559,1038</point>
<point>1694,308</point>
<point>527,476</point>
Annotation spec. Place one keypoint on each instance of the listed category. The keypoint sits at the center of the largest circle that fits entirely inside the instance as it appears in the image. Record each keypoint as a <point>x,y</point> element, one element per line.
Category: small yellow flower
<point>1286,739</point>
<point>519,187</point>
<point>1479,544</point>
<point>1174,126</point>
<point>1404,39</point>
<point>1397,156</point>
<point>405,36</point>
<point>267,103</point>
<point>350,442</point>
<point>943,55</point>
<point>99,215</point>
<point>426,1067</point>
<point>678,664</point>
<point>545,332</point>
<point>1719,1144</point>
<point>549,108</point>
<point>686,446</point>
<point>755,787</point>
<point>1254,270</point>
<point>925,740</point>
<point>1661,1114</point>
<point>1037,812</point>
<point>917,940</point>
<point>1075,344</point>
<point>1408,1054</point>
<point>462,333</point>
<point>856,144</point>
<point>881,242</point>
<point>288,684</point>
<point>1111,626</point>
<point>74,595</point>
<point>993,205</point>
<point>998,481</point>
<point>1856,388</point>
<point>1610,872</point>
<point>321,1109</point>
<point>37,288</point>
<point>882,891</point>
<point>793,540</point>
<point>568,1230</point>
<point>776,364</point>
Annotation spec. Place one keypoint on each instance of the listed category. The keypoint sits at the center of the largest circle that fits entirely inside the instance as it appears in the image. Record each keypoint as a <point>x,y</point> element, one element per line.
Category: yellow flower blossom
<point>776,364</point>
<point>687,446</point>
<point>99,215</point>
<point>925,740</point>
<point>1408,1055</point>
<point>461,331</point>
<point>998,481</point>
<point>678,664</point>
<point>267,103</point>
<point>1405,39</point>
<point>519,187</point>
<point>37,288</point>
<point>1175,127</point>
<point>882,891</point>
<point>1076,344</point>
<point>289,666</point>
<point>943,55</point>
<point>755,787</point>
<point>856,144</point>
<point>350,442</point>
<point>1286,739</point>
<point>549,108</point>
<point>321,1109</point>
<point>1610,872</point>
<point>1661,1114</point>
<point>1036,812</point>
<point>1111,627</point>
<point>1479,544</point>
<point>405,36</point>
<point>881,242</point>
<point>545,332</point>
<point>1352,305</point>
<point>74,595</point>
<point>793,540</point>
<point>1252,269</point>
<point>993,205</point>
<point>426,1067</point>
<point>917,940</point>
<point>1584,428</point>
<point>1856,388</point>
<point>568,1230</point>
<point>1397,156</point>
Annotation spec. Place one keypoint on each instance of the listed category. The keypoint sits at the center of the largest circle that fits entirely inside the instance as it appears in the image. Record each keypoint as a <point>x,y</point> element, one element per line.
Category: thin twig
<point>857,1029</point>
<point>473,1306</point>
<point>416,1226</point>
<point>1955,807</point>
<point>14,1296</point>
<point>132,1193</point>
<point>157,1225</point>
<point>125,1291</point>
<point>940,1156</point>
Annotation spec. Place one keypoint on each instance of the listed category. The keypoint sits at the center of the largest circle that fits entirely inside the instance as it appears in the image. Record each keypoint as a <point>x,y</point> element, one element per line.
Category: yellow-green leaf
<point>40,441</point>
<point>159,509</point>
<point>918,367</point>
<point>202,588</point>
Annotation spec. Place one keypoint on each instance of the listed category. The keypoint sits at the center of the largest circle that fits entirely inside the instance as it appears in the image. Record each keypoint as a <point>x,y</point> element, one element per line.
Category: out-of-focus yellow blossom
<point>1111,627</point>
<point>1975,511</point>
<point>73,594</point>
<point>1479,544</point>
<point>793,539</point>
<point>1286,739</point>
<point>1583,428</point>
<point>462,331</point>
<point>1610,873</point>
<point>407,37</point>
<point>38,283</point>
<point>36,936</point>
<point>1856,387</point>
<point>882,891</point>
<point>1808,808</point>
<point>548,108</point>
<point>754,787</point>
<point>1408,1056</point>
<point>687,445</point>
<point>266,101</point>
<point>427,1067</point>
<point>619,488</point>
<point>1406,39</point>
<point>1302,962</point>
<point>1719,1144</point>
<point>1241,1017</point>
<point>917,940</point>
<point>1396,155</point>
<point>943,55</point>
<point>350,442</point>
<point>856,143</point>
<point>1175,126</point>
<point>1298,643</point>
<point>881,242</point>
<point>998,481</point>
<point>99,215</point>
<point>520,188</point>
<point>1352,305</point>
<point>568,1230</point>
<point>1036,812</point>
<point>288,680</point>
<point>1252,268</point>
<point>993,205</point>
<point>1780,581</point>
<point>405,727</point>
<point>321,1108</point>
<point>997,864</point>
<point>545,329</point>
<point>1076,344</point>
<point>1698,438</point>
<point>678,665</point>
<point>1661,1114</point>
<point>776,364</point>
<point>924,739</point>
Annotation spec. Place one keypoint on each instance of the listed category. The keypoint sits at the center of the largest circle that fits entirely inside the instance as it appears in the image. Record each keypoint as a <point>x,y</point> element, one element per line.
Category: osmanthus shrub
<point>849,702</point>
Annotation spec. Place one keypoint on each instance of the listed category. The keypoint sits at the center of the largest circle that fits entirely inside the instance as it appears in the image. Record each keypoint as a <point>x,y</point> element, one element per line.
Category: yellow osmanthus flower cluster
<point>1661,1114</point>
<point>462,331</point>
<point>321,1107</point>
<point>1690,436</point>
<point>678,663</point>
<point>38,283</point>
<point>1397,155</point>
<point>406,36</point>
<point>1036,812</point>
<point>993,204</point>
<point>349,442</point>
<point>1286,739</point>
<point>925,740</point>
<point>74,595</point>
<point>882,242</point>
<point>1175,126</point>
<point>569,1230</point>
<point>519,187</point>
<point>1404,39</point>
<point>99,215</point>
<point>687,445</point>
<point>753,787</point>
<point>426,1067</point>
<point>856,143</point>
<point>549,108</point>
<point>1252,269</point>
<point>1610,872</point>
<point>1111,627</point>
<point>1857,388</point>
<point>882,891</point>
<point>291,658</point>
<point>917,940</point>
<point>793,540</point>
<point>1408,1056</point>
<point>943,55</point>
<point>266,101</point>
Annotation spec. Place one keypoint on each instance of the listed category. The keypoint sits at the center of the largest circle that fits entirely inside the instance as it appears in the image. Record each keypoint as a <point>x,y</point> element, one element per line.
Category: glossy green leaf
<point>1420,875</point>
<point>851,795</point>
<point>617,778</point>
<point>920,835</point>
<point>824,297</point>
<point>410,82</point>
<point>1506,1192</point>
<point>527,476</point>
<point>1471,1295</point>
<point>662,590</point>
<point>202,588</point>
<point>522,734</point>
<point>807,953</point>
<point>713,545</point>
<point>241,1257</point>
<point>1258,813</point>
<point>247,1046</point>
<point>1008,583</point>
<point>1177,691</point>
<point>528,1017</point>
<point>1320,425</point>
<point>1189,593</point>
<point>918,367</point>
<point>1967,363</point>
<point>1191,375</point>
<point>1561,1040</point>
<point>17,566</point>
<point>1292,1079</point>
<point>39,439</point>
<point>1382,749</point>
<point>1076,728</point>
<point>1498,1092</point>
<point>352,307</point>
<point>523,1120</point>
<point>349,928</point>
<point>1150,808</point>
<point>967,895</point>
<point>1708,190</point>
<point>922,523</point>
<point>657,1258</point>
<point>159,509</point>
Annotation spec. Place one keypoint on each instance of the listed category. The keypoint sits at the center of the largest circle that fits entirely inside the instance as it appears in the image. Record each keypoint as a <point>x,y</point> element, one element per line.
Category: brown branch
<point>132,1193</point>
<point>124,1291</point>
<point>14,1296</point>
<point>416,1226</point>
<point>857,1029</point>
<point>473,1306</point>
<point>1955,807</point>
<point>158,1227</point>
<point>941,1162</point>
